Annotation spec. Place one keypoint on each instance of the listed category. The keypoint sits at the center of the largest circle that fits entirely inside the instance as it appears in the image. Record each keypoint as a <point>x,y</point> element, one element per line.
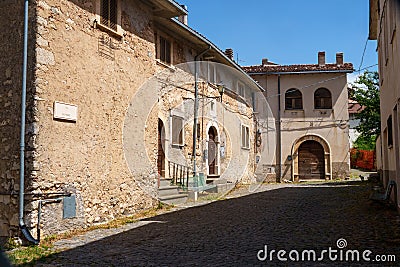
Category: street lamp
<point>221,90</point>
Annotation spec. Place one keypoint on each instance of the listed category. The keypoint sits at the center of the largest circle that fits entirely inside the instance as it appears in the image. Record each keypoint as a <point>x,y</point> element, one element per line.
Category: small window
<point>390,132</point>
<point>322,99</point>
<point>165,50</point>
<point>211,73</point>
<point>177,131</point>
<point>293,99</point>
<point>245,137</point>
<point>108,14</point>
<point>241,89</point>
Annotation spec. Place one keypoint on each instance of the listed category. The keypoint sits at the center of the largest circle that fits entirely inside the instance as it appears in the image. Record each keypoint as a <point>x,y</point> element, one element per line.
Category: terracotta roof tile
<point>347,67</point>
<point>354,107</point>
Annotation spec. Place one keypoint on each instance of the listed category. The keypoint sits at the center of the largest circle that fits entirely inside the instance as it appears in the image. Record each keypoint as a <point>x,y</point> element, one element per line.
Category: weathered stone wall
<point>87,157</point>
<point>11,48</point>
<point>235,163</point>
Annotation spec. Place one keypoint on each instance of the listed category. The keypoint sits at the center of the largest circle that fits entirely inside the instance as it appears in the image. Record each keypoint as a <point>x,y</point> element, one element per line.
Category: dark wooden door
<point>212,152</point>
<point>161,154</point>
<point>311,160</point>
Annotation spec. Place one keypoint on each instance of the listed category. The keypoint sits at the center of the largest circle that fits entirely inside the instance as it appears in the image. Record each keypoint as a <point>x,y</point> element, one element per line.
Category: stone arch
<point>327,155</point>
<point>213,127</point>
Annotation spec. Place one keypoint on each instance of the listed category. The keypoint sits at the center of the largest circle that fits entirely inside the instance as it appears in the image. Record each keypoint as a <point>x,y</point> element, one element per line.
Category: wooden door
<point>311,160</point>
<point>212,151</point>
<point>161,154</point>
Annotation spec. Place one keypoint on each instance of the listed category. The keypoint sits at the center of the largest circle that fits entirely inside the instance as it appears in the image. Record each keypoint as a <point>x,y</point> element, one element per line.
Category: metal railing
<point>179,174</point>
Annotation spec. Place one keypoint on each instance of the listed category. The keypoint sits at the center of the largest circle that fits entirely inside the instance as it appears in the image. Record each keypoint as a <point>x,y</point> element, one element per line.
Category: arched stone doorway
<point>161,146</point>
<point>212,156</point>
<point>311,158</point>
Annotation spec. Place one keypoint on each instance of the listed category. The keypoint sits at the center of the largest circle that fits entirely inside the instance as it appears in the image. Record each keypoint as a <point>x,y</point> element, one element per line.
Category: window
<point>165,50</point>
<point>211,73</point>
<point>245,137</point>
<point>108,14</point>
<point>293,99</point>
<point>322,99</point>
<point>389,132</point>
<point>177,131</point>
<point>241,90</point>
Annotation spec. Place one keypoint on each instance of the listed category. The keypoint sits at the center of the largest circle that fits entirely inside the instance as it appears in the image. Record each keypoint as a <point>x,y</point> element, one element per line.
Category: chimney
<point>321,58</point>
<point>229,53</point>
<point>264,61</point>
<point>339,58</point>
<point>183,18</point>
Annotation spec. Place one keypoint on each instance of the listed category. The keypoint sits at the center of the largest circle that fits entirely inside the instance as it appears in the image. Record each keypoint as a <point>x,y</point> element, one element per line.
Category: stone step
<point>174,199</point>
<point>168,190</point>
<point>165,182</point>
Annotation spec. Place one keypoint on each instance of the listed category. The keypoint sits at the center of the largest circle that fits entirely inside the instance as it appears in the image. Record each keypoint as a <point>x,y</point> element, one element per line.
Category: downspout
<point>22,225</point>
<point>196,107</point>
<point>279,178</point>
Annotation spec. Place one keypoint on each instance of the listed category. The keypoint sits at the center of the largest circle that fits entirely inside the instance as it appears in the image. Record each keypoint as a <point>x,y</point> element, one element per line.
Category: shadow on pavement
<point>231,232</point>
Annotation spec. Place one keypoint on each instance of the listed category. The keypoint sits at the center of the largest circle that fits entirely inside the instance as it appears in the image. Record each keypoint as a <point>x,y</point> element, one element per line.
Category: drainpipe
<point>196,107</point>
<point>22,225</point>
<point>279,178</point>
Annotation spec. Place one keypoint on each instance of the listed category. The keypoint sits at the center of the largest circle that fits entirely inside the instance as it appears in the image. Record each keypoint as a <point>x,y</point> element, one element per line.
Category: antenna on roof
<point>238,60</point>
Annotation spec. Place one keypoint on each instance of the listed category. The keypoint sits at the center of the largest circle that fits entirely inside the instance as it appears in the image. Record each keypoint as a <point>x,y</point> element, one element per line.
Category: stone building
<point>110,104</point>
<point>309,103</point>
<point>384,17</point>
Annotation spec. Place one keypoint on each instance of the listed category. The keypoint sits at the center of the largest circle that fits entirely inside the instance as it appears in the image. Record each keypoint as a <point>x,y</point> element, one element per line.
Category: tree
<point>366,92</point>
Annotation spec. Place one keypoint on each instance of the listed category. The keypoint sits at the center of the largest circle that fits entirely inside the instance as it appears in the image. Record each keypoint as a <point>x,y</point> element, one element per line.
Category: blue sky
<point>286,31</point>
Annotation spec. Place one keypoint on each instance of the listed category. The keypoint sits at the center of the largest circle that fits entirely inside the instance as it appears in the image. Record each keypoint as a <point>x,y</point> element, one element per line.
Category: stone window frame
<point>117,32</point>
<point>293,101</point>
<point>160,37</point>
<point>245,136</point>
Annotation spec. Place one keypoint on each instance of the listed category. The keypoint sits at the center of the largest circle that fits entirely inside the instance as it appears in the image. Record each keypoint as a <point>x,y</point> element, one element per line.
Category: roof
<point>300,68</point>
<point>354,107</point>
<point>166,8</point>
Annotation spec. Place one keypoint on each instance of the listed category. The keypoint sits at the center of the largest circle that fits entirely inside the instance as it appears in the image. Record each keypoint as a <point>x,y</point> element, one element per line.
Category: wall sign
<point>63,111</point>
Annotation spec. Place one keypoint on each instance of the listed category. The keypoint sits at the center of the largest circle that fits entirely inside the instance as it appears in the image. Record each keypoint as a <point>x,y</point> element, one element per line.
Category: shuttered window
<point>177,131</point>
<point>245,137</point>
<point>293,99</point>
<point>322,99</point>
<point>108,13</point>
<point>165,50</point>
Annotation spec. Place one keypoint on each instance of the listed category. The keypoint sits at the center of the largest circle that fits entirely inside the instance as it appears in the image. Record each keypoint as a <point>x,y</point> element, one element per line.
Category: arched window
<point>293,99</point>
<point>322,99</point>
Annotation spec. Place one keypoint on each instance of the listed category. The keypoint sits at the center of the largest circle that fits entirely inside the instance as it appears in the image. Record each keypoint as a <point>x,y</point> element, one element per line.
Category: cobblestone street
<point>231,232</point>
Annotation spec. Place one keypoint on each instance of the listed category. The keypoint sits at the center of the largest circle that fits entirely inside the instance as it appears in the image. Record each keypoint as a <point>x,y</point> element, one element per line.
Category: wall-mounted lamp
<point>221,90</point>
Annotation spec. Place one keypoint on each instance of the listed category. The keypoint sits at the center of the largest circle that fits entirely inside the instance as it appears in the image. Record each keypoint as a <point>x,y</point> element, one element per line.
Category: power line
<point>362,57</point>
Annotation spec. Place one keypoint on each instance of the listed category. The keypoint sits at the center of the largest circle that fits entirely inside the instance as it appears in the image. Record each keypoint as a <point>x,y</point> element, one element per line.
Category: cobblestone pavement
<point>231,232</point>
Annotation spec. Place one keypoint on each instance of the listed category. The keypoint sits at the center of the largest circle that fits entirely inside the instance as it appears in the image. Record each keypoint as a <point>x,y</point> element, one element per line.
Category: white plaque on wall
<point>63,111</point>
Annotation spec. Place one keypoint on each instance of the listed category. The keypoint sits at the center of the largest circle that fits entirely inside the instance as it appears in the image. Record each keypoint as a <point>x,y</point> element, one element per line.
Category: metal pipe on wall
<point>279,156</point>
<point>22,225</point>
